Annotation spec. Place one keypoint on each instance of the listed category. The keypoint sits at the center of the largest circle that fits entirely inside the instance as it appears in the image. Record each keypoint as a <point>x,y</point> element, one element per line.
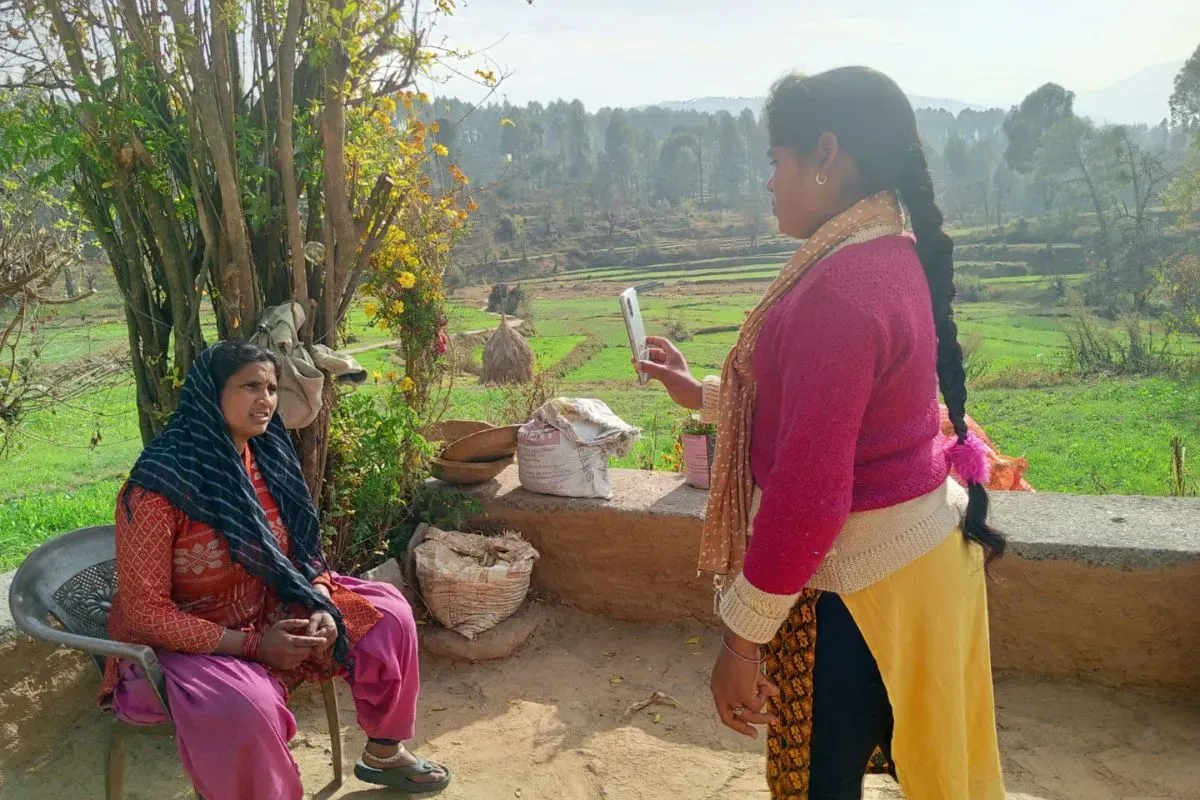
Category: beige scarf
<point>727,520</point>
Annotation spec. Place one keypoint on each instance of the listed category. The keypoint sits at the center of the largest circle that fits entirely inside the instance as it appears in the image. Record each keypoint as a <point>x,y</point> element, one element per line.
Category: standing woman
<point>858,606</point>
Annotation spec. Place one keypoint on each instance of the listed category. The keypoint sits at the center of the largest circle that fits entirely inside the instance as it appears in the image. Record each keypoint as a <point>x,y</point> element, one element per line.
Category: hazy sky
<point>635,52</point>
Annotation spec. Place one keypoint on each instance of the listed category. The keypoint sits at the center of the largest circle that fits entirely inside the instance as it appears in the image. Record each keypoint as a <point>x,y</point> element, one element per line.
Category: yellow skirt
<point>927,627</point>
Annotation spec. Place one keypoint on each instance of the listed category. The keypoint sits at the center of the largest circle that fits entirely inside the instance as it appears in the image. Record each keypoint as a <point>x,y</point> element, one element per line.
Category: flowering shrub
<point>378,457</point>
<point>404,286</point>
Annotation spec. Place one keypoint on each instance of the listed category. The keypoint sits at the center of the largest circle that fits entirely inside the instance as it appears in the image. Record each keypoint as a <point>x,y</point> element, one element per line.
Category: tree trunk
<point>313,443</point>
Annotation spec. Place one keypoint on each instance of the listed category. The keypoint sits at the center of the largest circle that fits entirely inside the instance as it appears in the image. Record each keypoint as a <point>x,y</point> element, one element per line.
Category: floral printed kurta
<point>178,588</point>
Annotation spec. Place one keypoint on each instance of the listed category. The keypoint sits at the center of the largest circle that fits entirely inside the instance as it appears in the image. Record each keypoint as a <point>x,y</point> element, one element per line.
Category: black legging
<point>851,712</point>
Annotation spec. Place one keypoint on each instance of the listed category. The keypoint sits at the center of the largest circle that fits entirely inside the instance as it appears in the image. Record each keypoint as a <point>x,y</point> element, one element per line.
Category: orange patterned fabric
<point>1007,472</point>
<point>178,588</point>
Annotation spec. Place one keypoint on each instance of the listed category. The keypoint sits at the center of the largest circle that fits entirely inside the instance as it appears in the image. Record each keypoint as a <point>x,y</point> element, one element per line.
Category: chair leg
<point>114,778</point>
<point>335,729</point>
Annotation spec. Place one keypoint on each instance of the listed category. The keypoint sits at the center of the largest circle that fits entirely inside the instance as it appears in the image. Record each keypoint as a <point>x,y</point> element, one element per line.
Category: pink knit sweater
<point>847,415</point>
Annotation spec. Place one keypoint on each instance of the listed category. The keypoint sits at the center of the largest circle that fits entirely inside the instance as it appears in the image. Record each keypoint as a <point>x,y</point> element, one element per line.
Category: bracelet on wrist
<point>251,645</point>
<point>736,654</point>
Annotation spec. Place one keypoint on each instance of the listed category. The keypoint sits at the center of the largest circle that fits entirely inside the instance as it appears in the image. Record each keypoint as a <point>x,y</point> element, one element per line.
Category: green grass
<point>1047,281</point>
<point>461,318</point>
<point>605,273</point>
<point>1086,437</point>
<point>549,350</point>
<point>1104,437</point>
<point>1082,437</point>
<point>54,450</point>
<point>26,523</point>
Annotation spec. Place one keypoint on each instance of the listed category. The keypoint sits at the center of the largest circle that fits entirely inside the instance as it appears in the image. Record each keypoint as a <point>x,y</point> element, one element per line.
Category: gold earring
<point>822,180</point>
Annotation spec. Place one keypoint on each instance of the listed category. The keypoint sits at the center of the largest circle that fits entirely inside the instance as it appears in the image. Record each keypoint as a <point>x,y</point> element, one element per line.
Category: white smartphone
<point>636,328</point>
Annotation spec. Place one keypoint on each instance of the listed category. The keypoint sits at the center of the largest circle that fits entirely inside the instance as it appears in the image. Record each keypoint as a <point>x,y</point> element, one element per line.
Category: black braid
<point>874,123</point>
<point>936,251</point>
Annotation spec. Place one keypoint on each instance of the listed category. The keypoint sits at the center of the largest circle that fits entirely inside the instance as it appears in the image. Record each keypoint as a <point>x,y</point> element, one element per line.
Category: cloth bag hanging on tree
<point>301,369</point>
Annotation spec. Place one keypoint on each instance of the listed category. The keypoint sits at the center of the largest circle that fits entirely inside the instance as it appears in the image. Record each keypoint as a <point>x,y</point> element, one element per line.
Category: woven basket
<point>470,582</point>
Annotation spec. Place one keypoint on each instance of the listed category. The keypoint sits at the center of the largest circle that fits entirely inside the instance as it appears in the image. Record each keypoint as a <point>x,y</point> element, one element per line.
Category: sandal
<point>402,777</point>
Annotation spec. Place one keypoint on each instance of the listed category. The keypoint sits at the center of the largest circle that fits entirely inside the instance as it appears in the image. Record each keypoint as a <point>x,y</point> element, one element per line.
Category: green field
<point>1103,436</point>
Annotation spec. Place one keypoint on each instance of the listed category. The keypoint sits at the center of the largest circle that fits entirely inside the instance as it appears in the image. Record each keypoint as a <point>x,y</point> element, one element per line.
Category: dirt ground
<point>551,723</point>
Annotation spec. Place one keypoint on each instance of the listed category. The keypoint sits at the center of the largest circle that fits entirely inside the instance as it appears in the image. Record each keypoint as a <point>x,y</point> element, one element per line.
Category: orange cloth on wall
<point>1007,472</point>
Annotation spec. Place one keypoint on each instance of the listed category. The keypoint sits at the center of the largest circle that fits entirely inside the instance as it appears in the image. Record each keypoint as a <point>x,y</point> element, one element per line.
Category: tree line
<point>559,174</point>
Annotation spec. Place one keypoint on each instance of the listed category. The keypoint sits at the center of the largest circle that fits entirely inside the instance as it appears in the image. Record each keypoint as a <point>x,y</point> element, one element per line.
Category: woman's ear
<point>826,153</point>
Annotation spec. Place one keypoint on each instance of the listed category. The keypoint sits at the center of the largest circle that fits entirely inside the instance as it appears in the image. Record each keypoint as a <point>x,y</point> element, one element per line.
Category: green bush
<point>377,464</point>
<point>970,289</point>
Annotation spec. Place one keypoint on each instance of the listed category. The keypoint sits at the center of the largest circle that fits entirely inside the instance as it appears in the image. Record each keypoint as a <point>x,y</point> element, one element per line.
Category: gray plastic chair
<point>72,580</point>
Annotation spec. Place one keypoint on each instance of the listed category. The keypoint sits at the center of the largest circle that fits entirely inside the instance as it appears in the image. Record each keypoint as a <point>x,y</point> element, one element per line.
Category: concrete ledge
<point>1122,532</point>
<point>1100,588</point>
<point>8,628</point>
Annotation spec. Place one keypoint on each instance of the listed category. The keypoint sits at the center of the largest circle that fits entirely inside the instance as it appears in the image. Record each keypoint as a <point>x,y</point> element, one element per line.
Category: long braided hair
<point>874,122</point>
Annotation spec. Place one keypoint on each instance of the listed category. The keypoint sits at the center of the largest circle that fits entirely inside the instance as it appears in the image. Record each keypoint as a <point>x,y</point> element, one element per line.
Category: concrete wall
<point>1105,589</point>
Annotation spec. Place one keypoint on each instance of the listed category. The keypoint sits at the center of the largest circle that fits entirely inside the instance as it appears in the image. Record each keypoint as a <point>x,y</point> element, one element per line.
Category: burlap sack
<point>471,583</point>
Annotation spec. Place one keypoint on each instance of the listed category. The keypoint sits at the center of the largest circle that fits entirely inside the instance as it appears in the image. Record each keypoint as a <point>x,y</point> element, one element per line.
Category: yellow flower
<point>407,280</point>
<point>441,150</point>
<point>472,205</point>
<point>371,309</point>
<point>434,127</point>
<point>396,308</point>
<point>391,375</point>
<point>389,105</point>
<point>407,384</point>
<point>423,98</point>
<point>377,375</point>
<point>458,175</point>
<point>383,325</point>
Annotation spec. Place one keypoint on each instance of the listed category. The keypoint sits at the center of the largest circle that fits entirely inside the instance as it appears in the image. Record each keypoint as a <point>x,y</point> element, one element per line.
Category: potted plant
<point>699,444</point>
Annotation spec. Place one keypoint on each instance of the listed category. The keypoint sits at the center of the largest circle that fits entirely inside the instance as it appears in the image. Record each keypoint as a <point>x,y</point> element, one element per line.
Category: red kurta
<point>178,588</point>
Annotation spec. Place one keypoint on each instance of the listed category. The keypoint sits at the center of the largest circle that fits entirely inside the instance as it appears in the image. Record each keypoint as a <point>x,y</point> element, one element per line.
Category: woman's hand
<point>282,647</point>
<point>322,626</point>
<point>668,366</point>
<point>739,688</point>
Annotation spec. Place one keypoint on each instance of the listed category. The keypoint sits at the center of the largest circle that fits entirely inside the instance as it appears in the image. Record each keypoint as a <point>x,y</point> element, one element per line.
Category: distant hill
<point>1142,97</point>
<point>734,105</point>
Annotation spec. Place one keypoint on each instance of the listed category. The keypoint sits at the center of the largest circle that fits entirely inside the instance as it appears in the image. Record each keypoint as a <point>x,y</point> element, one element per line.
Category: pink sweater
<point>847,414</point>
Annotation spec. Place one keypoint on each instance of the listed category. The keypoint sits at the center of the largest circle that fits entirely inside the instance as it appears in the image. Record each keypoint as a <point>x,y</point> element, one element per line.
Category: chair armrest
<point>139,654</point>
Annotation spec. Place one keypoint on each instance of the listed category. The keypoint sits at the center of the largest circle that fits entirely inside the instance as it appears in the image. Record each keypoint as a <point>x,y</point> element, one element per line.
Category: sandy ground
<point>551,723</point>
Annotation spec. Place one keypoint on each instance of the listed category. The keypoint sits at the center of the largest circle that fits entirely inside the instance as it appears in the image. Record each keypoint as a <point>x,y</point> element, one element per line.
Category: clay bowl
<point>487,445</point>
<point>468,473</point>
<point>451,430</point>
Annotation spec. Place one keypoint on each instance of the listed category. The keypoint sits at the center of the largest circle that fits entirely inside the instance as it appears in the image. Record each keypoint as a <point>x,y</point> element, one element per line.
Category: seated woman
<point>219,568</point>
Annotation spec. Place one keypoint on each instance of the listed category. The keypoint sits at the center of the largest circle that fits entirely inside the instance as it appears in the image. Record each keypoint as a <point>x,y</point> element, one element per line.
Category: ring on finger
<point>739,710</point>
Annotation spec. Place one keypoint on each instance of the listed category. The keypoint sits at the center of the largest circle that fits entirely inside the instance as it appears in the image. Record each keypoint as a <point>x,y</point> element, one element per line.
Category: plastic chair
<point>72,579</point>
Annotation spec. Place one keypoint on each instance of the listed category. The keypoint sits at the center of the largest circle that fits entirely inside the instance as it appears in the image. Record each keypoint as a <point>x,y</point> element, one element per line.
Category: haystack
<point>507,358</point>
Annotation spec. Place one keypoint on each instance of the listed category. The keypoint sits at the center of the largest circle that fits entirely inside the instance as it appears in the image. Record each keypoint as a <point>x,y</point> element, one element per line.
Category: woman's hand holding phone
<point>667,365</point>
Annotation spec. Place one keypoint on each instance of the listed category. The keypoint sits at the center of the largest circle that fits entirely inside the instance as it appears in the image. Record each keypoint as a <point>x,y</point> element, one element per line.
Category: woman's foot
<point>386,757</point>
